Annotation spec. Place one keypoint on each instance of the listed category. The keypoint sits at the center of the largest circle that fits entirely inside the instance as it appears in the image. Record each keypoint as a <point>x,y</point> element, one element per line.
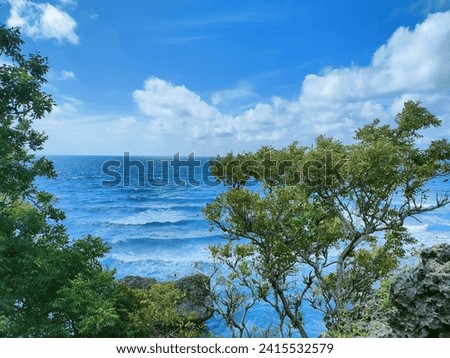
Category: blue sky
<point>158,77</point>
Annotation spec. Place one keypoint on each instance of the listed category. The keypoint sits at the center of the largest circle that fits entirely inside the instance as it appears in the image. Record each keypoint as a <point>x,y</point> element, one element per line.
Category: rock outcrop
<point>197,297</point>
<point>417,306</point>
<point>138,281</point>
<point>421,296</point>
<point>196,290</point>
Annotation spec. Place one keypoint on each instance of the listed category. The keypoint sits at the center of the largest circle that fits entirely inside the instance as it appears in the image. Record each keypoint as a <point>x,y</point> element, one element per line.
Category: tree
<point>158,314</point>
<point>320,225</point>
<point>41,269</point>
<point>51,285</point>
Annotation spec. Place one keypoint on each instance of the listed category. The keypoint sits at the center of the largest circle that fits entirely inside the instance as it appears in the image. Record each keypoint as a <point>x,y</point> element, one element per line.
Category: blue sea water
<point>153,231</point>
<point>158,230</point>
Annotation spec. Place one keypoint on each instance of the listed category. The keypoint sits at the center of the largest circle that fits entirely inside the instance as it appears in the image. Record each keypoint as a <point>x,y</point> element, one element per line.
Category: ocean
<point>154,224</point>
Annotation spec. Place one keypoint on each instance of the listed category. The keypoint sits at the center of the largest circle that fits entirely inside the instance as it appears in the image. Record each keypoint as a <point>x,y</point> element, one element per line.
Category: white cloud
<point>229,97</point>
<point>43,21</point>
<point>412,64</point>
<point>175,110</point>
<point>410,60</point>
<point>66,106</point>
<point>161,99</point>
<point>67,75</point>
<point>63,75</point>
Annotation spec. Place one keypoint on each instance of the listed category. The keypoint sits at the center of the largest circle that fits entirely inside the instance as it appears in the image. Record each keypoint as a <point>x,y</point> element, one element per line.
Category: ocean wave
<point>160,270</point>
<point>153,216</point>
<point>166,235</point>
<point>159,205</point>
<point>160,257</point>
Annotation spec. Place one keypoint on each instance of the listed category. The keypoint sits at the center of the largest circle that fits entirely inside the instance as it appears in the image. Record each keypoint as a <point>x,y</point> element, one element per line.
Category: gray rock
<point>197,298</point>
<point>138,282</point>
<point>421,296</point>
<point>369,319</point>
<point>419,302</point>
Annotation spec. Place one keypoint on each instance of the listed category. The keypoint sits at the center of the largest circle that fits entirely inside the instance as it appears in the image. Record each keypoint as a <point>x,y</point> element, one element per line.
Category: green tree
<point>41,270</point>
<point>50,285</point>
<point>158,314</point>
<point>321,224</point>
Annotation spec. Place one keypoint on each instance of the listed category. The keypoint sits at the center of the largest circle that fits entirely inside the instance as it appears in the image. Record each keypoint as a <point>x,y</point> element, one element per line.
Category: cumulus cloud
<point>43,20</point>
<point>412,64</point>
<point>161,99</point>
<point>175,109</point>
<point>410,60</point>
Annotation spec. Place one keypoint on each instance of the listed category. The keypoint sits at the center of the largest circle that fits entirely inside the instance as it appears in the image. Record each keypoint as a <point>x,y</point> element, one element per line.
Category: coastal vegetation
<point>51,285</point>
<point>314,226</point>
<point>321,225</point>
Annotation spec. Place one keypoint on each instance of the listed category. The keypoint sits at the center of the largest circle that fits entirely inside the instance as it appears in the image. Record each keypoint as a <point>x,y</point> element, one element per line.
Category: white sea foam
<point>151,216</point>
<point>161,257</point>
<point>169,252</point>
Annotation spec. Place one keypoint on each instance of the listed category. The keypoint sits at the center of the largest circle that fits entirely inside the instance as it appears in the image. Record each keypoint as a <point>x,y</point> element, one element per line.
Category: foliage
<point>351,331</point>
<point>95,306</point>
<point>21,103</point>
<point>369,315</point>
<point>321,224</point>
<point>383,293</point>
<point>157,314</point>
<point>51,286</point>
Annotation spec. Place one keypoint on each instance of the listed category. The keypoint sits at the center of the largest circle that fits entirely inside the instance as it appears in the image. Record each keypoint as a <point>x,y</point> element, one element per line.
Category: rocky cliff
<point>421,296</point>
